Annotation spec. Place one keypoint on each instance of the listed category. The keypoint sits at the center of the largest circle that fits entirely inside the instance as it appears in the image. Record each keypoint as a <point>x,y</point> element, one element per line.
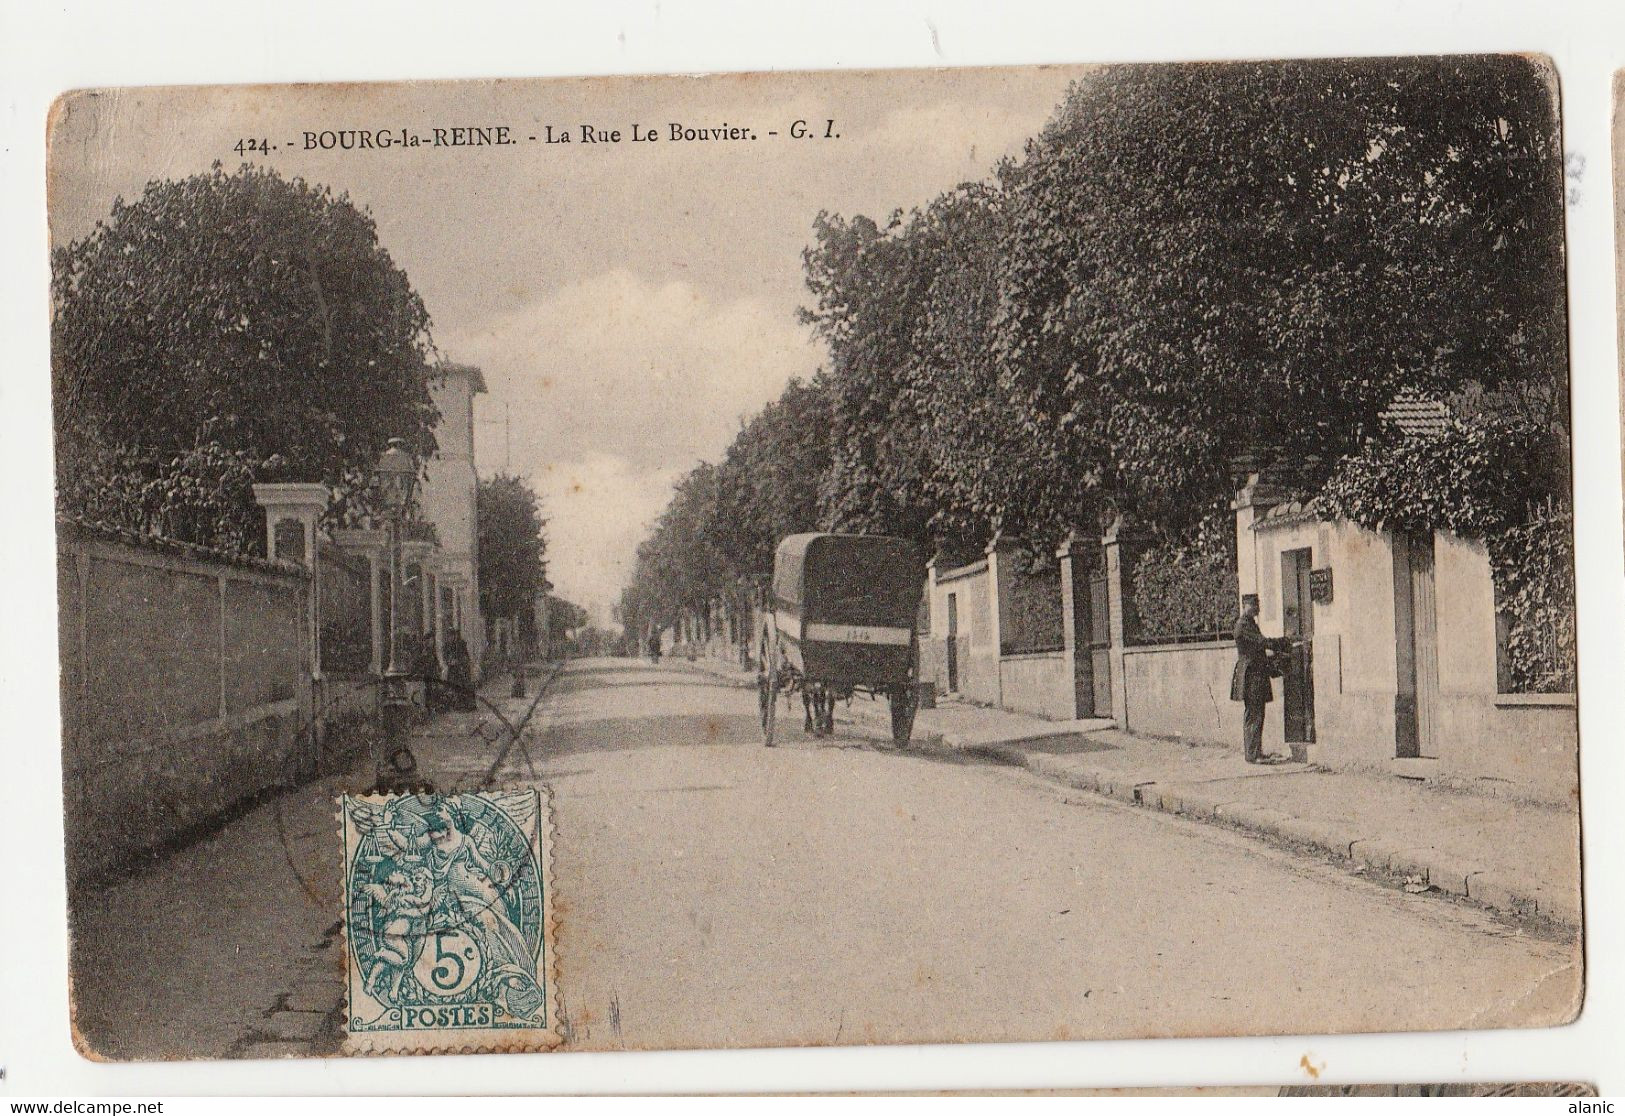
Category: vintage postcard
<point>973,555</point>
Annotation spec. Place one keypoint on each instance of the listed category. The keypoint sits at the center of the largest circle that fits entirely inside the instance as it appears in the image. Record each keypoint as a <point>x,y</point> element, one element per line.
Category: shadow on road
<point>1078,745</point>
<point>628,733</point>
<point>691,681</point>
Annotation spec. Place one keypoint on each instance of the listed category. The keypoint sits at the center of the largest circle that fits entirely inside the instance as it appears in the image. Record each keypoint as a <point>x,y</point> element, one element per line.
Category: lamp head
<point>397,474</point>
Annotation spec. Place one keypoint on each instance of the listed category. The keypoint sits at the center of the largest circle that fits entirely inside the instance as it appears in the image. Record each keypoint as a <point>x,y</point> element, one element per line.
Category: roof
<point>845,565</point>
<point>475,377</point>
<point>1288,513</point>
<point>1416,415</point>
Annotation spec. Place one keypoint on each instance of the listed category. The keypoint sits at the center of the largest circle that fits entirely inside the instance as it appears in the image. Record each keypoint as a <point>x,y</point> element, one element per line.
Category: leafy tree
<point>1208,259</point>
<point>1474,478</point>
<point>996,459</point>
<point>868,285</point>
<point>1188,266</point>
<point>246,312</point>
<point>563,618</point>
<point>716,539</point>
<point>199,496</point>
<point>512,549</point>
<point>1482,477</point>
<point>681,565</point>
<point>768,483</point>
<point>591,641</point>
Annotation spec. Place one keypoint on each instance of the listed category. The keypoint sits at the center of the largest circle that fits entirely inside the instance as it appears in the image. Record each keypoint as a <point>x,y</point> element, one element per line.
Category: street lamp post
<point>397,477</point>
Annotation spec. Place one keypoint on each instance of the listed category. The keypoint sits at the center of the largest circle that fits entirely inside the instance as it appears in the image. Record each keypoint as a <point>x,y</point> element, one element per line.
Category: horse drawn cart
<point>841,620</point>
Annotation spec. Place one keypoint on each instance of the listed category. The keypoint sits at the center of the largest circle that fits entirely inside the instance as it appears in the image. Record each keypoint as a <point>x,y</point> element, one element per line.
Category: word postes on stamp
<point>447,915</point>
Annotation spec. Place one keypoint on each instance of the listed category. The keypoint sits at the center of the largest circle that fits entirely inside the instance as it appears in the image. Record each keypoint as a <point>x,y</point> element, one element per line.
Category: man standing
<point>459,673</point>
<point>1250,683</point>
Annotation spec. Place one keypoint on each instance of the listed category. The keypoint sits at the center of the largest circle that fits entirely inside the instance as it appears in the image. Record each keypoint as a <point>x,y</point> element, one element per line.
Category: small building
<point>1403,669</point>
<point>448,499</point>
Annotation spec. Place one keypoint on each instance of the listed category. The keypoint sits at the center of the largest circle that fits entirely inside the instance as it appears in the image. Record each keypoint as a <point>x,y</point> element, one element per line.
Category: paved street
<point>712,892</point>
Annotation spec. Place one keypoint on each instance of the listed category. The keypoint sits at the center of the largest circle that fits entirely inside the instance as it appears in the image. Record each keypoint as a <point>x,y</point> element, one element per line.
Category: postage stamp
<point>448,923</point>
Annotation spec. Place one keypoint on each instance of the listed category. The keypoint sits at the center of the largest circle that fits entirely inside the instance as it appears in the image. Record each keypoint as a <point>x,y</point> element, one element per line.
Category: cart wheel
<point>767,696</point>
<point>902,715</point>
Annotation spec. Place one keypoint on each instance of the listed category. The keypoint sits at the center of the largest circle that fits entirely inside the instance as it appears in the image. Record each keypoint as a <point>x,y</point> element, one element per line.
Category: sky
<point>630,303</point>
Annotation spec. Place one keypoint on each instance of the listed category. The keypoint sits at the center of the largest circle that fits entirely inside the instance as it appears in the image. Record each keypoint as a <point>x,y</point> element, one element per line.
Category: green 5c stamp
<point>447,916</point>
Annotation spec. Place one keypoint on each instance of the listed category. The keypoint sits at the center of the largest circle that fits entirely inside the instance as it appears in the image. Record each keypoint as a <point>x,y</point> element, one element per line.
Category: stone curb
<point>1446,875</point>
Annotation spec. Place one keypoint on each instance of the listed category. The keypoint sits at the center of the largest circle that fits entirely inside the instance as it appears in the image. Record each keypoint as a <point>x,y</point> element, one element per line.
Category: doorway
<point>953,643</point>
<point>1416,646</point>
<point>1298,623</point>
<point>1100,644</point>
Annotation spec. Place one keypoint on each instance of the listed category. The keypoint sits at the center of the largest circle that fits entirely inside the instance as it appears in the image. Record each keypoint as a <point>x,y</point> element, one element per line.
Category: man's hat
<point>1249,598</point>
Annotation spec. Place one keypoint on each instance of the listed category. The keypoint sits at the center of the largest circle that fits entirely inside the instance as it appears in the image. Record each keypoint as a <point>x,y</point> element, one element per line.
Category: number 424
<point>250,146</point>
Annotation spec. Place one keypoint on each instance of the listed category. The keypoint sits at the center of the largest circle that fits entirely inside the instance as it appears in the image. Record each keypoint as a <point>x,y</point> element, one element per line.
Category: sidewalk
<point>232,946</point>
<point>1514,857</point>
<point>227,948</point>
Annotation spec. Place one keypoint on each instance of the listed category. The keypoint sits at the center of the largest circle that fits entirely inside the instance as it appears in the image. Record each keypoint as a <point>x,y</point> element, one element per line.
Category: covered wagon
<point>840,620</point>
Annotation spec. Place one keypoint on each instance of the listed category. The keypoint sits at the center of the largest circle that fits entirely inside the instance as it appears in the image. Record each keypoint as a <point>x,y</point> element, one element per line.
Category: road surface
<point>713,892</point>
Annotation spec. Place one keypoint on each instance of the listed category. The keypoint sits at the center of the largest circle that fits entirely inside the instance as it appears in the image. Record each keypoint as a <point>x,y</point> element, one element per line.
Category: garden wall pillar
<point>371,544</point>
<point>1120,547</point>
<point>1000,554</point>
<point>1252,500</point>
<point>1075,625</point>
<point>291,512</point>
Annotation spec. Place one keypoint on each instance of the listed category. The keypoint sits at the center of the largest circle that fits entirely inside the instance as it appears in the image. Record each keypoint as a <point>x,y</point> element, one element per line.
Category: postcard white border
<point>51,47</point>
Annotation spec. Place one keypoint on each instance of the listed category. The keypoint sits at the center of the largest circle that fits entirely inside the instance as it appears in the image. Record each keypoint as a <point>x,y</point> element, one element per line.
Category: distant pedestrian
<point>1256,665</point>
<point>459,673</point>
<point>426,665</point>
<point>654,648</point>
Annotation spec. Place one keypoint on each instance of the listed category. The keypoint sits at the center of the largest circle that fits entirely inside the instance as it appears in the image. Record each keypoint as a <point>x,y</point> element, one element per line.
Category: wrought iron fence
<point>1182,595</point>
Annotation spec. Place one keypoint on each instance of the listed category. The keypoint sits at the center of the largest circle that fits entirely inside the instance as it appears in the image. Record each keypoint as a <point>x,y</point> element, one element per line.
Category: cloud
<point>656,373</point>
<point>598,509</point>
<point>610,389</point>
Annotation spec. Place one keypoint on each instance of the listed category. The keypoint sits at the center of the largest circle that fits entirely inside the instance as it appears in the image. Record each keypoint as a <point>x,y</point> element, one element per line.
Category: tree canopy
<point>245,313</point>
<point>1191,267</point>
<point>1210,259</point>
<point>512,548</point>
<point>717,535</point>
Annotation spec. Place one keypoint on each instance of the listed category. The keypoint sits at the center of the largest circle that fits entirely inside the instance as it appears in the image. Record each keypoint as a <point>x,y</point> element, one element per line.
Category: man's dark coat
<point>1251,679</point>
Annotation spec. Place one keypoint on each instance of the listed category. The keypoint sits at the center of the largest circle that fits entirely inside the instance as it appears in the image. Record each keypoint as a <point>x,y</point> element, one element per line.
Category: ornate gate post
<point>291,512</point>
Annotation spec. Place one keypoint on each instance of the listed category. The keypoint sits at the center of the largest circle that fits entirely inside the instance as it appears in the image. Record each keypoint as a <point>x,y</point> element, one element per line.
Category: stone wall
<point>1522,744</point>
<point>1182,690</point>
<point>186,688</point>
<point>1039,683</point>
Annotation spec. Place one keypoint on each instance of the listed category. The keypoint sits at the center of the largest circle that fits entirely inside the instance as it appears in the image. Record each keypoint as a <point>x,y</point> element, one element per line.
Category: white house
<point>448,499</point>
